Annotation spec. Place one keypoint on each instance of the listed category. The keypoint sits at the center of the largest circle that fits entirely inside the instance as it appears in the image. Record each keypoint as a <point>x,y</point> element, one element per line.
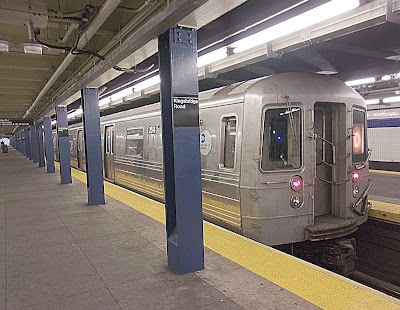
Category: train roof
<point>299,84</point>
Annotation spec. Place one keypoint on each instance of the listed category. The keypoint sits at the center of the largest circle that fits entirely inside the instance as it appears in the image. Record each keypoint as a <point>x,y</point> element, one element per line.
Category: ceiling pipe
<point>105,11</point>
<point>147,8</point>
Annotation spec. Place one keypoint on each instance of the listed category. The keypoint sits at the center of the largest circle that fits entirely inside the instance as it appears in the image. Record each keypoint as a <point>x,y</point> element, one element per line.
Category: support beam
<point>93,151</point>
<point>30,143</point>
<point>34,145</point>
<point>40,145</point>
<point>181,149</point>
<point>49,145</point>
<point>63,145</point>
<point>27,143</point>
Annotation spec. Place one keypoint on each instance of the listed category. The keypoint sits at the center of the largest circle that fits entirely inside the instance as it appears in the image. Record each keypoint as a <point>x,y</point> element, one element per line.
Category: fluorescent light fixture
<point>33,48</point>
<point>360,81</point>
<point>114,97</point>
<point>147,83</point>
<point>53,122</point>
<point>4,46</point>
<point>386,77</point>
<point>372,101</point>
<point>76,113</point>
<point>301,21</point>
<point>121,94</point>
<point>211,57</point>
<point>104,101</point>
<point>391,99</point>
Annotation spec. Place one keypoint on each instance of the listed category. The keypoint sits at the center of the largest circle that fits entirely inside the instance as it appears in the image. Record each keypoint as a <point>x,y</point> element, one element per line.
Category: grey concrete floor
<point>56,252</point>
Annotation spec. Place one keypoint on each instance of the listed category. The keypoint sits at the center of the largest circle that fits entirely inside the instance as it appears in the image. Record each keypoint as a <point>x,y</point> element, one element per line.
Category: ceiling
<point>120,33</point>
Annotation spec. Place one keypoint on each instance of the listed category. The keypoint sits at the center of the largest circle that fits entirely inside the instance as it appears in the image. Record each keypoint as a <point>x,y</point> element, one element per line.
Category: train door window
<point>134,142</point>
<point>108,140</point>
<point>281,147</point>
<point>80,141</point>
<point>112,140</point>
<point>319,130</point>
<point>228,139</point>
<point>359,136</point>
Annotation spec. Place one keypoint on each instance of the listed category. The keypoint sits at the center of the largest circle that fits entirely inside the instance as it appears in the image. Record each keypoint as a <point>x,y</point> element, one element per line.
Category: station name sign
<point>186,110</point>
<point>15,122</point>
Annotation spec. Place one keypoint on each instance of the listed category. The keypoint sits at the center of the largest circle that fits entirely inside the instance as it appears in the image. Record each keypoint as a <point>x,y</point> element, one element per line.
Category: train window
<point>359,142</point>
<point>108,140</point>
<point>134,142</point>
<point>228,142</point>
<point>319,130</point>
<point>282,139</point>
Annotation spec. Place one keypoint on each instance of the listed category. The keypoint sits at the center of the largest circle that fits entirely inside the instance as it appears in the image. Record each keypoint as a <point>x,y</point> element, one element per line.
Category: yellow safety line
<point>385,211</point>
<point>384,172</point>
<point>314,284</point>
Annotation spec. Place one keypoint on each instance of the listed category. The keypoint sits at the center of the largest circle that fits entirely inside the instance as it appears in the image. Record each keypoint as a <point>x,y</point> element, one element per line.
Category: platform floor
<point>58,253</point>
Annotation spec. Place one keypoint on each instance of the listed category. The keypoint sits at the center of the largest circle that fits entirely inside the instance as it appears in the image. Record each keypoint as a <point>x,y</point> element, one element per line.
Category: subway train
<point>384,138</point>
<point>284,161</point>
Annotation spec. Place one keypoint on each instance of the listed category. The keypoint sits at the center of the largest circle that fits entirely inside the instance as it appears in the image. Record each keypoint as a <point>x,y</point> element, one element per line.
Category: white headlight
<point>355,190</point>
<point>296,201</point>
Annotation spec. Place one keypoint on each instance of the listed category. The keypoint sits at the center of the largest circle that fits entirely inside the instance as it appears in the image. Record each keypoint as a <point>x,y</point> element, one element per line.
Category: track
<point>378,251</point>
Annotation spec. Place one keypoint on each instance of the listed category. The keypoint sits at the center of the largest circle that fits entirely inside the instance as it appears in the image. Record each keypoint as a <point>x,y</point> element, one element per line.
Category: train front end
<point>311,182</point>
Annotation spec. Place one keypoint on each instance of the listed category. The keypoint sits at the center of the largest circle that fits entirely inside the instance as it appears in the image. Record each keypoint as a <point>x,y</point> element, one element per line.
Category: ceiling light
<point>372,101</point>
<point>301,21</point>
<point>33,48</point>
<point>386,77</point>
<point>115,97</point>
<point>391,99</point>
<point>75,113</point>
<point>211,57</point>
<point>360,81</point>
<point>4,46</point>
<point>147,83</point>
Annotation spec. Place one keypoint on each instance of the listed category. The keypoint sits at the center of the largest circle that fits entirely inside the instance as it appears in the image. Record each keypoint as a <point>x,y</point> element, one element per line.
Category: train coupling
<point>337,255</point>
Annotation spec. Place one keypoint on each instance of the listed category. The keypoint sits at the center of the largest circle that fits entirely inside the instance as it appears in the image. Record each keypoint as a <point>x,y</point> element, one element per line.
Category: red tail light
<point>296,183</point>
<point>356,176</point>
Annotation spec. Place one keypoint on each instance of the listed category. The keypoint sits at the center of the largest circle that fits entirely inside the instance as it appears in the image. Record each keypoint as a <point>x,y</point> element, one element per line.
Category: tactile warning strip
<point>320,287</point>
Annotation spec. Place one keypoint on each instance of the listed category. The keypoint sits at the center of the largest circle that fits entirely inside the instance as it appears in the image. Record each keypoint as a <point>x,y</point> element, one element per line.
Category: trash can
<point>5,149</point>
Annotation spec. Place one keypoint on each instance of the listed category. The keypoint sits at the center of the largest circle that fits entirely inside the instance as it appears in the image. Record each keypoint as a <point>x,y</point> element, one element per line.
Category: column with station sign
<point>40,145</point>
<point>93,151</point>
<point>27,143</point>
<point>177,50</point>
<point>23,146</point>
<point>49,145</point>
<point>63,145</point>
<point>30,143</point>
<point>34,145</point>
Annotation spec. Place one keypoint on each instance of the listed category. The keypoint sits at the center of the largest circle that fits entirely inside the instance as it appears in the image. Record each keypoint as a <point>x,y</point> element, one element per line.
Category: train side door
<point>330,157</point>
<point>109,153</point>
<point>323,155</point>
<point>80,147</point>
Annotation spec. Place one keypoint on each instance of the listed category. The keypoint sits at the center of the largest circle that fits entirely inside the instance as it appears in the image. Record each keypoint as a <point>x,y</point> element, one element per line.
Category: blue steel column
<point>93,150</point>
<point>18,141</point>
<point>34,148</point>
<point>63,145</point>
<point>30,143</point>
<point>40,145</point>
<point>49,145</point>
<point>177,50</point>
<point>27,146</point>
<point>22,142</point>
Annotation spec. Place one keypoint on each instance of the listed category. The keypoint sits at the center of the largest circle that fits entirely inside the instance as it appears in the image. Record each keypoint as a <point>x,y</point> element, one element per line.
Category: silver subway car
<point>284,158</point>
